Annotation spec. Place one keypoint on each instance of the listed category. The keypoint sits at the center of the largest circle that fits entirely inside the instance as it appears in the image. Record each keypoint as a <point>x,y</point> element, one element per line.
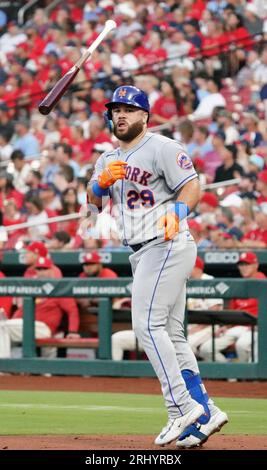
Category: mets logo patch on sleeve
<point>184,161</point>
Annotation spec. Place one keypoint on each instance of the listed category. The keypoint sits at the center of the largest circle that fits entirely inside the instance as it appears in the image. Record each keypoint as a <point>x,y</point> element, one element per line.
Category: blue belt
<point>140,245</point>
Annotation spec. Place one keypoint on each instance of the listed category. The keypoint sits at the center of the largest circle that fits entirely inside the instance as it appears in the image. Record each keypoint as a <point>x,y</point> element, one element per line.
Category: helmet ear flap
<point>108,120</point>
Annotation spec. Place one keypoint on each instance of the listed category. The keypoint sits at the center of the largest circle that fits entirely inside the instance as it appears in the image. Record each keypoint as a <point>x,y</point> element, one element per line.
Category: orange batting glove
<point>114,171</point>
<point>170,223</point>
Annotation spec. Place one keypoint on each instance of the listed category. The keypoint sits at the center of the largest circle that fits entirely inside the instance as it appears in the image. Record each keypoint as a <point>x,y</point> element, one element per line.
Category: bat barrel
<point>57,91</point>
<point>44,108</point>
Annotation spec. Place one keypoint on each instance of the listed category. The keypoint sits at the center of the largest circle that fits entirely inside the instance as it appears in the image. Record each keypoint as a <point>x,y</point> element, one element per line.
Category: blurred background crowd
<point>203,65</point>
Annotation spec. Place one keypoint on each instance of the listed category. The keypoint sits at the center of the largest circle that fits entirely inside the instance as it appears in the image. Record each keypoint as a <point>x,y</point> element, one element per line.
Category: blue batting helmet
<point>128,95</point>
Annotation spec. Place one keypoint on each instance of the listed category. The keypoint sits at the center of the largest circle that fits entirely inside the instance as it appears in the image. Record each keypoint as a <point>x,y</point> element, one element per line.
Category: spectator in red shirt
<point>262,187</point>
<point>30,90</point>
<point>97,135</point>
<point>48,63</point>
<point>35,42</point>
<point>167,106</point>
<point>248,266</point>
<point>213,38</point>
<point>79,143</point>
<point>194,8</point>
<point>5,304</point>
<point>152,52</point>
<point>34,251</point>
<point>236,33</point>
<point>92,267</point>
<point>48,315</point>
<point>7,190</point>
<point>98,100</point>
<point>257,238</point>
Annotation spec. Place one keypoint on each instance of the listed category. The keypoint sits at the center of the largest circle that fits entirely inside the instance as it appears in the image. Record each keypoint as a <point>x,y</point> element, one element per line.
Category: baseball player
<point>154,186</point>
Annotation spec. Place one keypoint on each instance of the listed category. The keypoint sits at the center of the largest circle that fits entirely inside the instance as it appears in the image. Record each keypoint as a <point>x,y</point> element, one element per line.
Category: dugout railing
<point>220,262</point>
<point>105,290</point>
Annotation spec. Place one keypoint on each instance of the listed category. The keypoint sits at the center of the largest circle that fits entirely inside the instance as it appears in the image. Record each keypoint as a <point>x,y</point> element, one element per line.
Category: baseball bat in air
<point>61,86</point>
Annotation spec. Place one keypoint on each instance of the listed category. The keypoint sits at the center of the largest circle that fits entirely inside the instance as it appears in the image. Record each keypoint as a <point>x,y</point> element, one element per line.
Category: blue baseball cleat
<point>196,434</point>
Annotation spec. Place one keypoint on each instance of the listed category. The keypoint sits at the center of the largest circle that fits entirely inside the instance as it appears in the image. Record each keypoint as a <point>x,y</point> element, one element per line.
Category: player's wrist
<point>181,209</point>
<point>99,191</point>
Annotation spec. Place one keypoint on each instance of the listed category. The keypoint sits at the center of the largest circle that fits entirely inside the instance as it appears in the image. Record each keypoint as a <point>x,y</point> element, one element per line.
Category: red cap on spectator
<point>210,199</point>
<point>194,225</point>
<point>23,45</point>
<point>262,176</point>
<point>226,235</point>
<point>248,257</point>
<point>261,153</point>
<point>44,263</point>
<point>212,227</point>
<point>91,258</point>
<point>198,162</point>
<point>199,263</point>
<point>37,247</point>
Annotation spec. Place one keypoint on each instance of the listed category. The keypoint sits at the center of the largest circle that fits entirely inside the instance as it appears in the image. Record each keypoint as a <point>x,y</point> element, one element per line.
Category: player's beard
<point>133,131</point>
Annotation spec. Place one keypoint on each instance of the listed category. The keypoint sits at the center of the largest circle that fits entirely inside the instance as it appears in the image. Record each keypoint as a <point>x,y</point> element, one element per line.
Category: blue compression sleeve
<point>198,392</point>
<point>181,210</point>
<point>98,191</point>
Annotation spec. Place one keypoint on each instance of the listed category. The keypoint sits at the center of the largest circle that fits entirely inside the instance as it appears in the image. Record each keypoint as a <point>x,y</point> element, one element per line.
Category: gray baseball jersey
<point>158,168</point>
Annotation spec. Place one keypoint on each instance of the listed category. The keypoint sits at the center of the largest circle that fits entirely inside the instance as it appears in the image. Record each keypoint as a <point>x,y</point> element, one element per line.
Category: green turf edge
<point>36,413</point>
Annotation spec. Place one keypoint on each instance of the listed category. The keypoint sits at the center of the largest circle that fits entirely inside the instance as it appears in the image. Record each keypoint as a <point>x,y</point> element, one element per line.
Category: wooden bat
<point>61,86</point>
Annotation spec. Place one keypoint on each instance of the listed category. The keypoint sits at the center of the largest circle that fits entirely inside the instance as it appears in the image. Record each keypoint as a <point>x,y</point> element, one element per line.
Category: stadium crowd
<point>203,65</point>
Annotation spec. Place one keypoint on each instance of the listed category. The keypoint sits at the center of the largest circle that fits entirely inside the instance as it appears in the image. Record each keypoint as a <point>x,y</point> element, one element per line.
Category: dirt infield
<point>102,442</point>
<point>125,385</point>
<point>216,388</point>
